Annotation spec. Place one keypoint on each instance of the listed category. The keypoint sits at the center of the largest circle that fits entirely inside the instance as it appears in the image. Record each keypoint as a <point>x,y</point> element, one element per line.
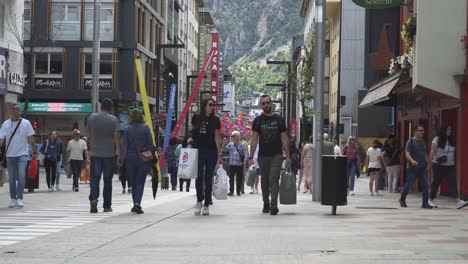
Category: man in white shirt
<point>75,150</point>
<point>17,152</point>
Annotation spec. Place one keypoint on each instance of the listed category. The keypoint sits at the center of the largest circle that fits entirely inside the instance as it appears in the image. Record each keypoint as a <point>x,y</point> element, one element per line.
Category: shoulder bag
<point>241,155</point>
<point>443,159</point>
<point>3,160</point>
<point>147,155</point>
<point>42,156</point>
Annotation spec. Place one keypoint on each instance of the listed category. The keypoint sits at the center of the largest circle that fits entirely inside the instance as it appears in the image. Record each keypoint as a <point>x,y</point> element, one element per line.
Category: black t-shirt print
<point>204,128</point>
<point>269,129</point>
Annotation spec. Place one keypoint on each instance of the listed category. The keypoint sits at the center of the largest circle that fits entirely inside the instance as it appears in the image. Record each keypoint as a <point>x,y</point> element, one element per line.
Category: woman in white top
<point>374,162</point>
<point>306,165</point>
<point>443,165</point>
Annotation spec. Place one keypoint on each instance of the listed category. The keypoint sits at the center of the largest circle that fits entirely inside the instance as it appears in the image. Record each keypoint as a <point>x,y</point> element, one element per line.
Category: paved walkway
<point>237,232</point>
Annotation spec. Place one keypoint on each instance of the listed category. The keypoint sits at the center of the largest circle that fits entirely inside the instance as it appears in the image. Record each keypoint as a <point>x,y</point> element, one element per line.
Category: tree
<point>303,84</point>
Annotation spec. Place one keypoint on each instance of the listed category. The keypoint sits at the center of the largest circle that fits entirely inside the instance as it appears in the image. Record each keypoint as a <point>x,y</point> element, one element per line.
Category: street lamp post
<point>96,56</point>
<point>158,76</point>
<point>287,98</point>
<point>283,89</point>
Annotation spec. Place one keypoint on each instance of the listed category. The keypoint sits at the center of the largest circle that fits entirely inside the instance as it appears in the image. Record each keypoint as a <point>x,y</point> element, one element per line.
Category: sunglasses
<point>210,105</point>
<point>76,134</point>
<point>266,103</point>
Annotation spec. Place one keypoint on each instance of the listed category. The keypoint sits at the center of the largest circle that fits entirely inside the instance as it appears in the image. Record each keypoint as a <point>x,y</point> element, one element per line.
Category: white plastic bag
<point>220,184</point>
<point>188,164</point>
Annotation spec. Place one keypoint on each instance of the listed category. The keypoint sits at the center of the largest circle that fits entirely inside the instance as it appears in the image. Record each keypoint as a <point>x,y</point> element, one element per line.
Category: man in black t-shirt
<point>269,131</point>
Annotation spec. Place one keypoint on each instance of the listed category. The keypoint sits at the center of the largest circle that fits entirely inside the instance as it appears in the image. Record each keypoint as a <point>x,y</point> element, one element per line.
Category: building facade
<point>11,54</point>
<point>61,57</point>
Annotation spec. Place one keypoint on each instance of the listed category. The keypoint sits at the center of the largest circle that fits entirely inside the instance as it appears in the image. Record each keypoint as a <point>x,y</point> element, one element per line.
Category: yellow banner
<point>146,110</point>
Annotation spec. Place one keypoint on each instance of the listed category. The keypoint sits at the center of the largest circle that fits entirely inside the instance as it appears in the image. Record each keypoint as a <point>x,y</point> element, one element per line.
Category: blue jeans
<point>102,165</point>
<point>352,167</point>
<point>412,174</point>
<point>206,165</point>
<point>137,170</point>
<point>17,172</point>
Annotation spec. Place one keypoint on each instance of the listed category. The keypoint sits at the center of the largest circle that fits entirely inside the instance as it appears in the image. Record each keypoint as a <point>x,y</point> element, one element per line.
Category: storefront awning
<point>381,91</point>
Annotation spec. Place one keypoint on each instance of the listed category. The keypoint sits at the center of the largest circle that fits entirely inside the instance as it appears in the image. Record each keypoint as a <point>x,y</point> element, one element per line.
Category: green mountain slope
<point>253,31</point>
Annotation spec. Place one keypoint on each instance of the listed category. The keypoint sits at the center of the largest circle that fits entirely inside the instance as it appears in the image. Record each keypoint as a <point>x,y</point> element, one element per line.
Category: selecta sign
<point>378,4</point>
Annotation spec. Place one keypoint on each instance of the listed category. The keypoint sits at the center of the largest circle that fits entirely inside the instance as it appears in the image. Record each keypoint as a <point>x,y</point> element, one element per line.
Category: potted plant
<point>408,30</point>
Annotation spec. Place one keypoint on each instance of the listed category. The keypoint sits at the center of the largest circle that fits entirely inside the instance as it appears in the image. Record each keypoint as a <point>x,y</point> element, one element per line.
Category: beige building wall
<point>333,16</point>
<point>440,23</point>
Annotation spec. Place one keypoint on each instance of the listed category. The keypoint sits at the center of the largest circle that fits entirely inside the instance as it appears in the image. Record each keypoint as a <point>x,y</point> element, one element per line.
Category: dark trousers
<point>412,174</point>
<point>440,172</point>
<point>124,177</point>
<point>238,172</point>
<point>137,170</point>
<point>173,171</point>
<point>270,169</point>
<point>105,166</point>
<point>76,167</point>
<point>51,171</point>
<point>187,186</point>
<point>206,165</point>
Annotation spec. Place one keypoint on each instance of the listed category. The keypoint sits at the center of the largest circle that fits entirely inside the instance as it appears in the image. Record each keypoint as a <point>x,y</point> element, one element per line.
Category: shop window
<point>105,66</point>
<point>107,21</point>
<point>65,19</point>
<point>48,63</point>
<point>27,20</point>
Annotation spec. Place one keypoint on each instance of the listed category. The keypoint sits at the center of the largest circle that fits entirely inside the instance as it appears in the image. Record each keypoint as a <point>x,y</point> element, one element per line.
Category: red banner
<point>215,66</point>
<point>190,99</point>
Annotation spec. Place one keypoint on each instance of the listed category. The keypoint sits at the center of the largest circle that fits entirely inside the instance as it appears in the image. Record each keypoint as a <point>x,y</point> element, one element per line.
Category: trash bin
<point>334,181</point>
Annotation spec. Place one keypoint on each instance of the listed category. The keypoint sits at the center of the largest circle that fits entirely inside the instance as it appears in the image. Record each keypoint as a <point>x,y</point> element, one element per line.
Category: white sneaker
<point>51,189</point>
<point>431,203</point>
<point>461,204</point>
<point>12,203</point>
<point>54,189</point>
<point>351,193</point>
<point>198,208</point>
<point>58,188</point>
<point>371,194</point>
<point>206,210</point>
<point>378,194</point>
<point>19,203</point>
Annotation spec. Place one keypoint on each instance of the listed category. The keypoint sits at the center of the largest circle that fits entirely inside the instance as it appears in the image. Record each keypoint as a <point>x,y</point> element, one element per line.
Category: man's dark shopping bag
<point>287,193</point>
<point>165,183</point>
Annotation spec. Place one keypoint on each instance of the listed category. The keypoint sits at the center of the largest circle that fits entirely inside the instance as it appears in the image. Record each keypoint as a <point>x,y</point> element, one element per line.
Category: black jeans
<point>206,164</point>
<point>173,171</point>
<point>187,186</point>
<point>238,172</point>
<point>51,171</point>
<point>440,172</point>
<point>76,167</point>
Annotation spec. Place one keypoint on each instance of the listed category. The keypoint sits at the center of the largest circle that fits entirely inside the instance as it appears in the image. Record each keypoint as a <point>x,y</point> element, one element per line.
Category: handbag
<point>288,192</point>
<point>241,156</point>
<point>443,159</point>
<point>42,156</point>
<point>146,156</point>
<point>3,160</point>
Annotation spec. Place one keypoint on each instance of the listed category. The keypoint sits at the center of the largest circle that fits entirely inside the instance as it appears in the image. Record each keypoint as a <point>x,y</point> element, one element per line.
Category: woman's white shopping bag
<point>188,164</point>
<point>220,184</point>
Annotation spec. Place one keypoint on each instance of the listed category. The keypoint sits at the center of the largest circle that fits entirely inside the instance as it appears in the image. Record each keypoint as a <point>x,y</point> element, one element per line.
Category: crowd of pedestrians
<point>268,153</point>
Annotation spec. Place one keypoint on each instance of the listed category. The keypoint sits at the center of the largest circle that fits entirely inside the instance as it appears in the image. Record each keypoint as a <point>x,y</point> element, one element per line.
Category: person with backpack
<point>238,159</point>
<point>392,160</point>
<point>52,152</point>
<point>172,161</point>
<point>417,167</point>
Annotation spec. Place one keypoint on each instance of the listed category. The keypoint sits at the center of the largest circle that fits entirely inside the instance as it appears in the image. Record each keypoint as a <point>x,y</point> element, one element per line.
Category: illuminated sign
<point>378,4</point>
<point>58,107</point>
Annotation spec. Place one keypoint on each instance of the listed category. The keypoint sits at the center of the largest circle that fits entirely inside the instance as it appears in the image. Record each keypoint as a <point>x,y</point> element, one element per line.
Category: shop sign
<point>44,107</point>
<point>378,4</point>
<point>104,84</point>
<point>18,79</point>
<point>48,83</point>
<point>3,71</point>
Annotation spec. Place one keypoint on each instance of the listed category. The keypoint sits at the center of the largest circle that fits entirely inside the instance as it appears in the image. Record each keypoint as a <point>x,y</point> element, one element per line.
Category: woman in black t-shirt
<point>392,158</point>
<point>206,137</point>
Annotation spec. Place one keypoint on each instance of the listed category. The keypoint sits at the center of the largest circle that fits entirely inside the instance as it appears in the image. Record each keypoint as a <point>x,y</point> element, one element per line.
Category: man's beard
<point>267,110</point>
